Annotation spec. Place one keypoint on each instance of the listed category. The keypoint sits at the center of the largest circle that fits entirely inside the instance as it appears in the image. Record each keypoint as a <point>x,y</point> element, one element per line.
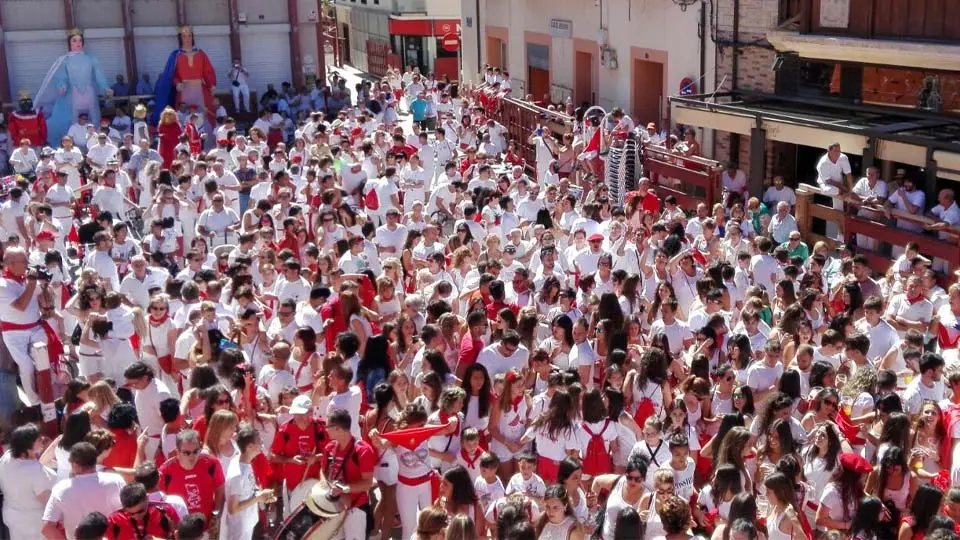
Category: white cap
<point>301,405</point>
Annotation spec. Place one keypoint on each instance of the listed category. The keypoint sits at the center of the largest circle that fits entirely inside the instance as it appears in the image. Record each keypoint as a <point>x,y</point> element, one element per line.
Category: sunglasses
<point>189,452</point>
<point>634,478</point>
<point>224,401</point>
<point>830,403</point>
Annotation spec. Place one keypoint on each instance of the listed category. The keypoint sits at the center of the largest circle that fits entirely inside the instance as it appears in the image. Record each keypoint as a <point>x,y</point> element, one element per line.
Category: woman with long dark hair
<point>457,495</point>
<point>743,507</point>
<point>820,462</point>
<point>740,353</point>
<point>839,500</point>
<point>560,342</point>
<point>557,520</point>
<point>892,480</point>
<point>382,418</point>
<point>570,475</point>
<point>869,523</point>
<point>716,497</point>
<point>374,365</point>
<point>925,505</point>
<point>783,517</point>
<point>75,429</point>
<point>556,435</point>
<point>476,410</point>
<point>647,387</point>
<point>625,491</point>
<point>779,442</point>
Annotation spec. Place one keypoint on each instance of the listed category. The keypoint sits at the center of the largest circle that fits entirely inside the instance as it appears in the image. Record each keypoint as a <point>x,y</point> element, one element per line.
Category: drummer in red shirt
<point>296,447</point>
<point>347,464</point>
<point>195,476</point>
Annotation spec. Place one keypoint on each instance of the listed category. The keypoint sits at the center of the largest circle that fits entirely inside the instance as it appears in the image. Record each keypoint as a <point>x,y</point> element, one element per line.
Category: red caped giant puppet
<point>25,123</point>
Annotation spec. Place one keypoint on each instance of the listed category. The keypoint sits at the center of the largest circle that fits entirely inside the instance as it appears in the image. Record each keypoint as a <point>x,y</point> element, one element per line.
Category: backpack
<point>371,201</point>
<point>645,409</point>
<point>597,459</point>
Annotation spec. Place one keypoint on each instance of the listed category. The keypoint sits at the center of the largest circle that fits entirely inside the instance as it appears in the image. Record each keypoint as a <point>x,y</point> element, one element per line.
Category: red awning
<point>423,27</point>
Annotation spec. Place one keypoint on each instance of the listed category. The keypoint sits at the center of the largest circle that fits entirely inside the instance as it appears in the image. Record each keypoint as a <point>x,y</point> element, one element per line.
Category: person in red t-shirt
<point>472,342</point>
<point>347,464</point>
<point>194,476</point>
<point>497,296</point>
<point>140,518</point>
<point>296,448</point>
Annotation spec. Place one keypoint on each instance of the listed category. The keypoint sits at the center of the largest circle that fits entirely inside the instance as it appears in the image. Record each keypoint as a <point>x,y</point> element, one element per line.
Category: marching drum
<point>320,517</point>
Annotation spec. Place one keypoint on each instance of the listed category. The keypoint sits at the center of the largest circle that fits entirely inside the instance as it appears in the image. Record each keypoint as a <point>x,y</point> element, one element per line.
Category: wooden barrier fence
<point>521,118</point>
<point>699,178</point>
<point>881,227</point>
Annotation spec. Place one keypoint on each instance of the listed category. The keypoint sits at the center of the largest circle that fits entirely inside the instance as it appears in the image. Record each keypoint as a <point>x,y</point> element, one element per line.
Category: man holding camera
<point>238,86</point>
<point>21,288</point>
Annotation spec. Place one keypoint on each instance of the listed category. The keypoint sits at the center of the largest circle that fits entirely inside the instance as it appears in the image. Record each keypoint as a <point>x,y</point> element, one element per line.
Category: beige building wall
<point>648,31</point>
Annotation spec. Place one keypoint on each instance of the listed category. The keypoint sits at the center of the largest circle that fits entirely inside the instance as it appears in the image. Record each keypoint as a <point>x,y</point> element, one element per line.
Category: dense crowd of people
<point>454,342</point>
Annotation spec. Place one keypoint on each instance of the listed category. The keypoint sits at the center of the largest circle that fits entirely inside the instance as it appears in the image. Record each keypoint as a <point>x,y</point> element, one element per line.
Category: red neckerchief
<point>18,279</point>
<point>158,321</point>
<point>916,299</point>
<point>444,417</point>
<point>471,463</point>
<point>515,402</point>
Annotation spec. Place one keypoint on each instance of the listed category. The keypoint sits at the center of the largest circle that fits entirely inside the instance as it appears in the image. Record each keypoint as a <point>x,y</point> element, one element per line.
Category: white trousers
<point>244,90</point>
<point>354,527</point>
<point>410,499</point>
<point>19,343</point>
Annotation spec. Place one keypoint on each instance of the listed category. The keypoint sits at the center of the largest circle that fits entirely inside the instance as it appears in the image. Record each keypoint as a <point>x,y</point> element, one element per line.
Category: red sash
<point>433,477</point>
<point>54,345</point>
<point>848,429</point>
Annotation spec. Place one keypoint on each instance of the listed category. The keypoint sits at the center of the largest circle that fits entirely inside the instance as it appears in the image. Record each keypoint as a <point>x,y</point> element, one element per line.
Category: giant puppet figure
<point>187,78</point>
<point>72,86</point>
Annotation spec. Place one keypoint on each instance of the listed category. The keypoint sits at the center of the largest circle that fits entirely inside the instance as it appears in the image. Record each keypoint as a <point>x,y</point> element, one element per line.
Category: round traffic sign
<point>450,42</point>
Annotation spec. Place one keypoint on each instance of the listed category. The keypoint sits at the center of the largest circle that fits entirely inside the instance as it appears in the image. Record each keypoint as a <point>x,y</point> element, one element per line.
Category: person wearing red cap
<point>588,261</point>
<point>841,497</point>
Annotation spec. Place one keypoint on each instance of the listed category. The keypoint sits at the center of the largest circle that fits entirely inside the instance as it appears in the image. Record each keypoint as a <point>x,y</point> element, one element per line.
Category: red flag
<point>72,236</point>
<point>411,438</point>
<point>593,147</point>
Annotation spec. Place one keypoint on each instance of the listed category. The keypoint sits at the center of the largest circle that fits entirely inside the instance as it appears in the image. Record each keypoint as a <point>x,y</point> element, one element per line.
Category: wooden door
<point>494,52</point>
<point>539,83</point>
<point>583,75</point>
<point>647,92</point>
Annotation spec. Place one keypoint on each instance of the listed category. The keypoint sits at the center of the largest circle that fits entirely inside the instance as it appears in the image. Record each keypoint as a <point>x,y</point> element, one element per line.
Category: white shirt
<point>830,170</point>
<point>949,215</point>
<point>349,401</point>
<point>24,162</point>
<point>21,481</point>
<point>761,377</point>
<point>916,198</point>
<point>677,333</point>
<point>240,483</point>
<point>921,311</point>
<point>147,402</point>
<point>495,362</point>
<point>917,392</point>
<point>298,290</point>
<point>736,184</point>
<point>883,337</point>
<point>105,266</point>
<point>773,195</point>
<point>75,497</point>
<point>100,153</point>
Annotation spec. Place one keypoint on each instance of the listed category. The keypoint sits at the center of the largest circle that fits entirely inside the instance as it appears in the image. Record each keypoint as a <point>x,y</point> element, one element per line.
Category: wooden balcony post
<point>804,219</point>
